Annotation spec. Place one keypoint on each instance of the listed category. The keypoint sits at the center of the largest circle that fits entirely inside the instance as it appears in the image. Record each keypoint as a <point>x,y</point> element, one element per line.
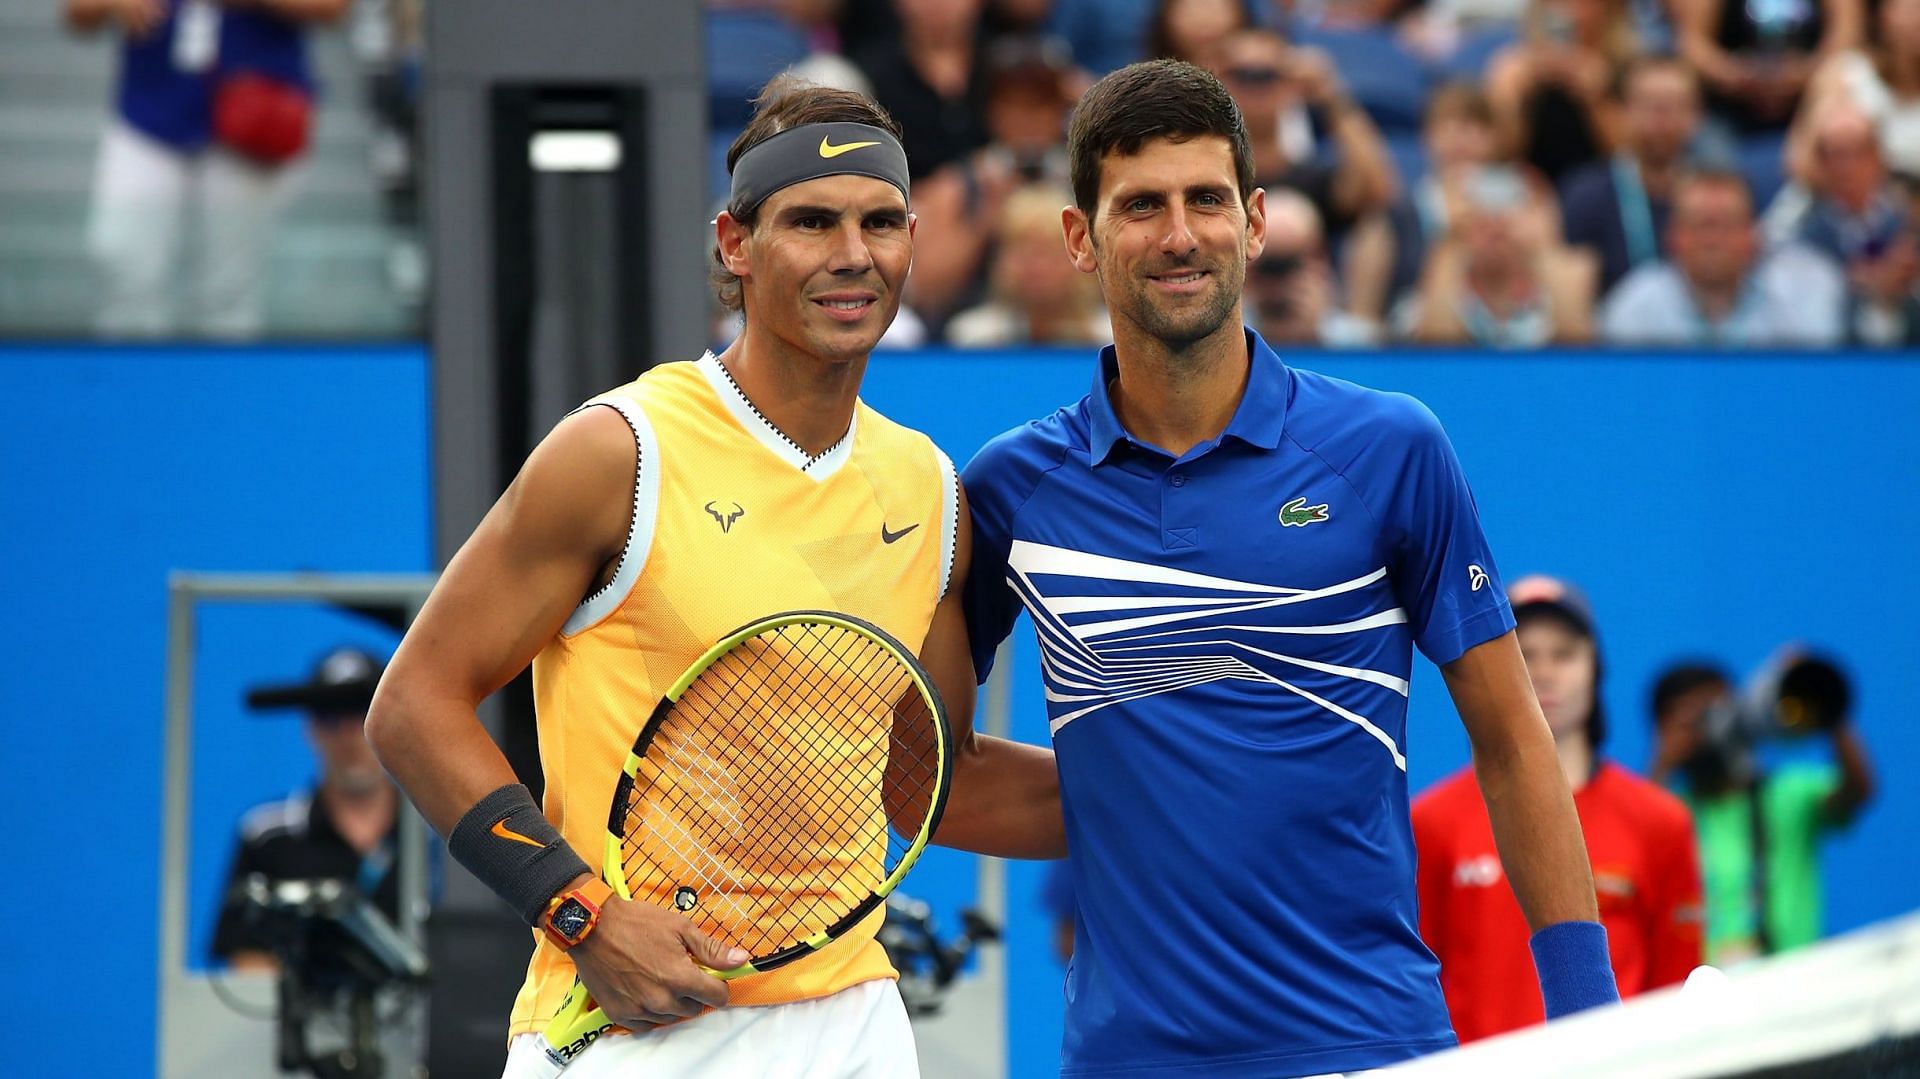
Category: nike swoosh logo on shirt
<point>500,829</point>
<point>830,151</point>
<point>889,537</point>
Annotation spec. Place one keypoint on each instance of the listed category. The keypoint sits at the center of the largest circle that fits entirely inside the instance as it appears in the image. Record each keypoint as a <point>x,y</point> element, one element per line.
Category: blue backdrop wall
<point>1710,506</point>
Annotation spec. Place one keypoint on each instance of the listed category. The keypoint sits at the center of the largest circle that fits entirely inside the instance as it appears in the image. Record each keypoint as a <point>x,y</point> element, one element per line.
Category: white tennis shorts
<point>857,1033</point>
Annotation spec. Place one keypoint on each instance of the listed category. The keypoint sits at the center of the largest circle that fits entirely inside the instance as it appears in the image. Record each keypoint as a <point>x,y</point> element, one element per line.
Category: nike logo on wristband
<point>500,829</point>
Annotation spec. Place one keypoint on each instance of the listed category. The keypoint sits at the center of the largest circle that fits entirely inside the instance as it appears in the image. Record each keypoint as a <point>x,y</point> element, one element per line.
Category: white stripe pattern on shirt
<point>1099,651</point>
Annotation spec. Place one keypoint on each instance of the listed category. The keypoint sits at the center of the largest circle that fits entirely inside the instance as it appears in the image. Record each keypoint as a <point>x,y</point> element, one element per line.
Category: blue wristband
<point>1575,970</point>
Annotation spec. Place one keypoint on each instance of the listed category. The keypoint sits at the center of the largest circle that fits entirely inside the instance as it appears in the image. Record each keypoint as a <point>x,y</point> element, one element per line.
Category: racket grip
<point>578,1024</point>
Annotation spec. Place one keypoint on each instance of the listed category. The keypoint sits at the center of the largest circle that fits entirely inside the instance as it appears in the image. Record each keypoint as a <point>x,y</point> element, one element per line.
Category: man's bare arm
<point>502,598</point>
<point>1534,823</point>
<point>1006,795</point>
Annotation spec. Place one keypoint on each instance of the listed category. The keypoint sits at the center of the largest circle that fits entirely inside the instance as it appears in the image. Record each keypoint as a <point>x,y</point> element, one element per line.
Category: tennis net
<point>1845,1009</point>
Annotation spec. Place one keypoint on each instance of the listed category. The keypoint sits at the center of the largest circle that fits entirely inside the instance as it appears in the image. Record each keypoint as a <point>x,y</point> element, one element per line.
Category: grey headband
<point>811,151</point>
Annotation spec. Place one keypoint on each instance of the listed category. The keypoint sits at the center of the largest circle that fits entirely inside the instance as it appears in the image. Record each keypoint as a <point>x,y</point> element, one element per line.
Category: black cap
<point>342,683</point>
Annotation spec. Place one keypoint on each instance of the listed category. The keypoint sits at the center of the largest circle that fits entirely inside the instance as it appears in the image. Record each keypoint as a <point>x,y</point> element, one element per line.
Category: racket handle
<point>578,1024</point>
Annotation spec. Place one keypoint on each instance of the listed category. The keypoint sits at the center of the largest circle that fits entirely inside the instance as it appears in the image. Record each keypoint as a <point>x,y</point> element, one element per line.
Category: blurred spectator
<point>1269,80</point>
<point>1290,294</point>
<point>1551,91</point>
<point>1640,841</point>
<point>932,80</point>
<point>1756,56</point>
<point>345,827</point>
<point>1760,829</point>
<point>857,26</point>
<point>1619,208</point>
<point>1883,79</point>
<point>1189,29</point>
<point>1386,252</point>
<point>1856,212</point>
<point>1715,290</point>
<point>1861,218</point>
<point>1038,296</point>
<point>1503,279</point>
<point>213,111</point>
<point>1030,88</point>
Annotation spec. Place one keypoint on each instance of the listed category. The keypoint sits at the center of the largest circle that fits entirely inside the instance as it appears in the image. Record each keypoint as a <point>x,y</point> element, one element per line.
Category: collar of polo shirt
<point>1259,421</point>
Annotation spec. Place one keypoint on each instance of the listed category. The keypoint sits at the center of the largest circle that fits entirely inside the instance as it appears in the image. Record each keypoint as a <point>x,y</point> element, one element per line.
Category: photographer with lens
<point>343,829</point>
<point>1760,828</point>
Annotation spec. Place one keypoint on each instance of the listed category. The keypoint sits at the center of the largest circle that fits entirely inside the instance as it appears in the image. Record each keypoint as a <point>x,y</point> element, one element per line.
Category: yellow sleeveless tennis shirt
<point>731,522</point>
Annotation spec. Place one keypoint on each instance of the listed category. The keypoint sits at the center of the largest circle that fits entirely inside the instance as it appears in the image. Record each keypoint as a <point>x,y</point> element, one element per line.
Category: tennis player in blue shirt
<point>1228,562</point>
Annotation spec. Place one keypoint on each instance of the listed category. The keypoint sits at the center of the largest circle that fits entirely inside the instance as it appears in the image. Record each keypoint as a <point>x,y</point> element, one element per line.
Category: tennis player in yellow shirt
<point>650,523</point>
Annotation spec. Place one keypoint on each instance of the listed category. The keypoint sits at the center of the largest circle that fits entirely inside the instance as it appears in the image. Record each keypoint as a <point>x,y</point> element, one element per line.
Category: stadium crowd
<point>1492,173</point>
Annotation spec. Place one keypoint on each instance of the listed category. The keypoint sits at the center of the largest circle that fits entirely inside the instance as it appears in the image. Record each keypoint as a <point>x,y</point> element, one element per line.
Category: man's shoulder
<point>1012,463</point>
<point>1651,291</point>
<point>1646,800</point>
<point>1587,192</point>
<point>883,433</point>
<point>1336,419</point>
<point>286,818</point>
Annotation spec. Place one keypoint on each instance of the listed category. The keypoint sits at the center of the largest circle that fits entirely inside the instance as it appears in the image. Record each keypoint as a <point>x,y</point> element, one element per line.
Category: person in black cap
<point>343,828</point>
<point>1646,873</point>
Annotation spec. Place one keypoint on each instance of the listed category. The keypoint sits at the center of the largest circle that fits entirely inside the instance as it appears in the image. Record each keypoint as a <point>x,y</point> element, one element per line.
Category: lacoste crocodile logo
<point>1298,514</point>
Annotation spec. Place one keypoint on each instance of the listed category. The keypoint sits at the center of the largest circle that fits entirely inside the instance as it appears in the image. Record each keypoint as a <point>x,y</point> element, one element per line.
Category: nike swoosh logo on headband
<point>500,829</point>
<point>830,151</point>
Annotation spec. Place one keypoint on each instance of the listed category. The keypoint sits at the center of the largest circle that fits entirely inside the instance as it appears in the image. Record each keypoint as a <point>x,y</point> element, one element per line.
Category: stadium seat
<point>1469,61</point>
<point>744,50</point>
<point>1384,78</point>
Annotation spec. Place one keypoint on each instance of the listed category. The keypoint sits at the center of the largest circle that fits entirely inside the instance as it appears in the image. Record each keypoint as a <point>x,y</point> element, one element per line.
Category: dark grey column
<point>550,284</point>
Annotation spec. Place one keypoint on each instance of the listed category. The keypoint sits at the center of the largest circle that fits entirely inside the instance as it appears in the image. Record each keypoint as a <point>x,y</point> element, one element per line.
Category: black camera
<point>1795,694</point>
<point>334,947</point>
<point>927,964</point>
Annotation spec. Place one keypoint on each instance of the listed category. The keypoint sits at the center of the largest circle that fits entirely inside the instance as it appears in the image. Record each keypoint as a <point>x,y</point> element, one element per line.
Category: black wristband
<point>507,843</point>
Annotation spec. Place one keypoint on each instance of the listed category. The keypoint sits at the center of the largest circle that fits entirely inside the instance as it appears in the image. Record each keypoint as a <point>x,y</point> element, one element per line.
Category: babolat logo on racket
<point>685,898</point>
<point>1298,514</point>
<point>726,513</point>
<point>563,1055</point>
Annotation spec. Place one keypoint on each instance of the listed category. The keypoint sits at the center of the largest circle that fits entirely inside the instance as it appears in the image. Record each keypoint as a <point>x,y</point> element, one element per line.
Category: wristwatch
<point>572,914</point>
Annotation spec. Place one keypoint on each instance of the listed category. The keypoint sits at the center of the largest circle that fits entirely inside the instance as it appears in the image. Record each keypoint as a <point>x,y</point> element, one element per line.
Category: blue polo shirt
<point>1225,640</point>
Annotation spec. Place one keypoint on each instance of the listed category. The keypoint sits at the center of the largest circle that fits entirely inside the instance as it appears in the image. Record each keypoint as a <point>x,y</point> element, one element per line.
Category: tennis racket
<point>777,794</point>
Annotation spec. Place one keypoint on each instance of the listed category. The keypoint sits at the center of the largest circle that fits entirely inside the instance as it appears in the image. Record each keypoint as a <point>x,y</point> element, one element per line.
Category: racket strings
<point>791,778</point>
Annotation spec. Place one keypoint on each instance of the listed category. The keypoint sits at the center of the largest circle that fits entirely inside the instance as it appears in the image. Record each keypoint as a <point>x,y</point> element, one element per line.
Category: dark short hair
<point>1155,99</point>
<point>1643,63</point>
<point>1680,679</point>
<point>787,102</point>
<point>1463,96</point>
<point>1712,174</point>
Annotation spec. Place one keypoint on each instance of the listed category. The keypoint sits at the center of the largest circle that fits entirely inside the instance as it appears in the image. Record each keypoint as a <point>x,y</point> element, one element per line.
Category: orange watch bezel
<point>592,895</point>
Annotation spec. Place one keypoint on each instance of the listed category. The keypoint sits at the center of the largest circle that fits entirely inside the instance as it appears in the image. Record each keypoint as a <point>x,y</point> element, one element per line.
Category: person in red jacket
<point>1640,839</point>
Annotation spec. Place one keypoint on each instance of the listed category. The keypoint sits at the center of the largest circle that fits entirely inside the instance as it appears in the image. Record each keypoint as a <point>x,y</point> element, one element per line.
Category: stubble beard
<point>1179,326</point>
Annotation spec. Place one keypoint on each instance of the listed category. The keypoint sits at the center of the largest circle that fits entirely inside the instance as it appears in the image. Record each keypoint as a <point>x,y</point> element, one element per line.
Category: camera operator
<point>1760,829</point>
<point>344,828</point>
